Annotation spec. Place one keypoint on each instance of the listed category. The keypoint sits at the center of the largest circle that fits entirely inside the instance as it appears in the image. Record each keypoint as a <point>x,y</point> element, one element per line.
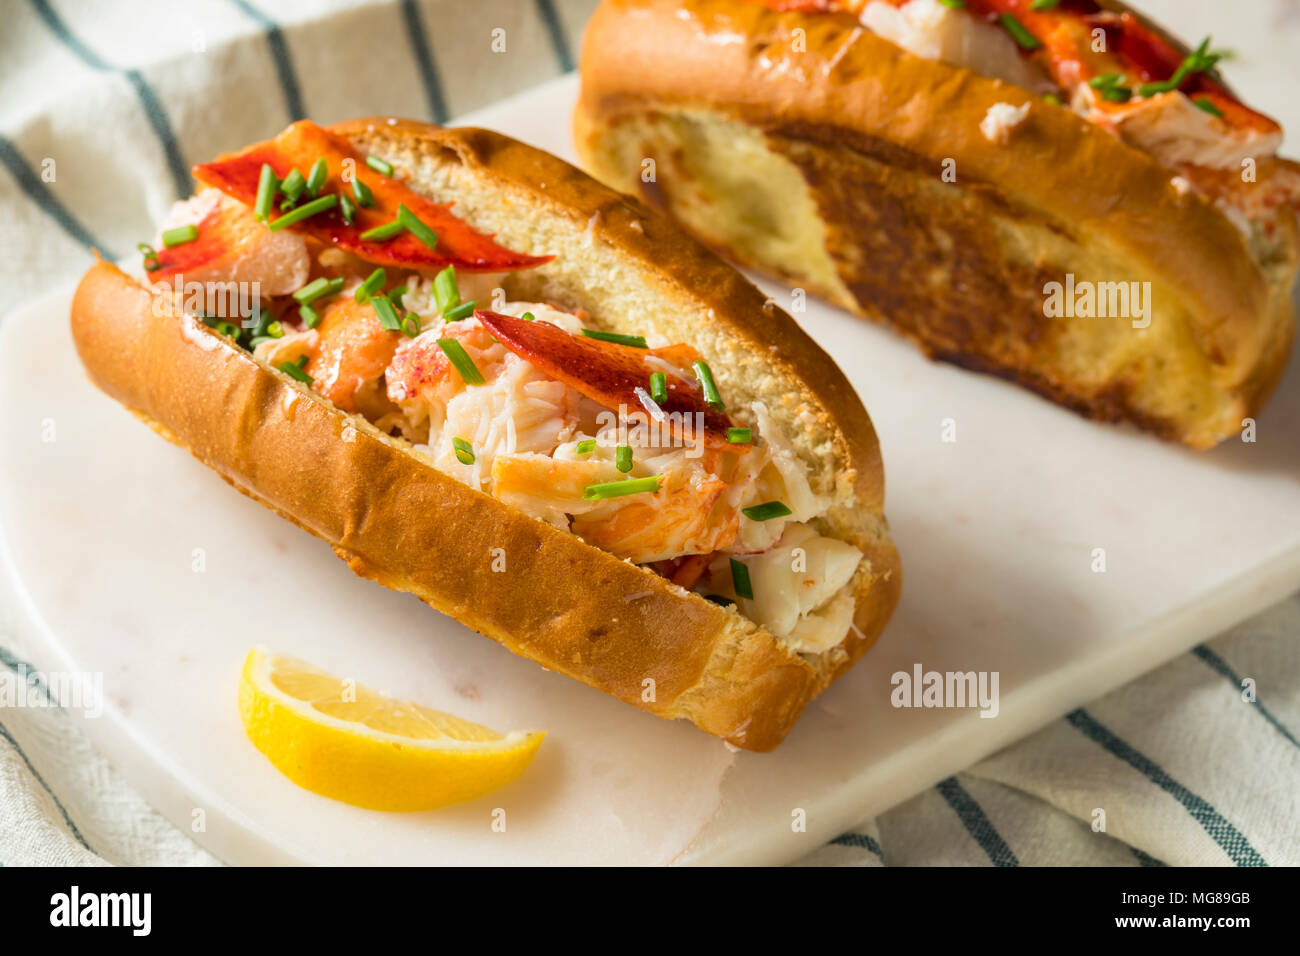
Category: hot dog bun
<point>395,519</point>
<point>817,157</point>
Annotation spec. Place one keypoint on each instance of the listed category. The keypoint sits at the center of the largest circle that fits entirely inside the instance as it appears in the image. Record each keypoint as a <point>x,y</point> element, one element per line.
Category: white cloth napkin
<point>103,108</point>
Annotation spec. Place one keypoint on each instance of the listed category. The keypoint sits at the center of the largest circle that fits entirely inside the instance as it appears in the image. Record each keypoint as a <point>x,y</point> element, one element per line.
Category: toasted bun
<point>397,520</point>
<point>818,159</point>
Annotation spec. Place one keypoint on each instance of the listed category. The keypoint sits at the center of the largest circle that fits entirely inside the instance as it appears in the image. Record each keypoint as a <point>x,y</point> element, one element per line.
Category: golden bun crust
<point>854,133</point>
<point>395,519</point>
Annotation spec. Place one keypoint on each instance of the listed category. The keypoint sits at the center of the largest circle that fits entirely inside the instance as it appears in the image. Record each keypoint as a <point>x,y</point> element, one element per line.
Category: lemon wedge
<point>347,742</point>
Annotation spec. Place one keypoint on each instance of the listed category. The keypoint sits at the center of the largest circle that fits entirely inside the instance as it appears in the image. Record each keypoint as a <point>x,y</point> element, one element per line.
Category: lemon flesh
<point>347,742</point>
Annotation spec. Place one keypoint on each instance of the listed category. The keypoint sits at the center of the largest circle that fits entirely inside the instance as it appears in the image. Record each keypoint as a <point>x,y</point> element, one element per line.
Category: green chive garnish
<point>294,370</point>
<point>1023,37</point>
<point>365,198</point>
<point>528,317</point>
<point>310,317</point>
<point>586,446</point>
<point>617,489</point>
<point>659,386</point>
<point>382,233</point>
<point>954,4</point>
<point>318,289</point>
<point>151,263</point>
<point>461,361</point>
<point>227,328</point>
<point>623,458</point>
<point>739,436</point>
<point>305,211</point>
<point>1103,80</point>
<point>711,396</point>
<point>462,311</point>
<point>410,325</point>
<point>348,208</point>
<point>1199,60</point>
<point>1052,98</point>
<point>396,296</point>
<point>416,228</point>
<point>1043,4</point>
<point>740,580</point>
<point>267,184</point>
<point>274,330</point>
<point>293,185</point>
<point>320,171</point>
<point>766,511</point>
<point>388,318</point>
<point>1116,94</point>
<point>635,341</point>
<point>379,165</point>
<point>445,291</point>
<point>374,282</point>
<point>1209,107</point>
<point>180,235</point>
<point>464,451</point>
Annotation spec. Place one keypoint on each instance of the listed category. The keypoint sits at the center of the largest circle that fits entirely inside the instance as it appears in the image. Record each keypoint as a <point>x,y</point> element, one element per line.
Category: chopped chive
<point>293,185</point>
<point>318,289</point>
<point>1116,94</point>
<point>586,446</point>
<point>348,208</point>
<point>617,489</point>
<point>464,451</point>
<point>1209,107</point>
<point>180,235</point>
<point>320,171</point>
<point>388,318</point>
<point>274,330</point>
<point>623,458</point>
<point>257,340</point>
<point>766,511</point>
<point>310,317</point>
<point>267,184</point>
<point>151,263</point>
<point>379,165</point>
<point>1043,4</point>
<point>365,198</point>
<point>374,282</point>
<point>1199,60</point>
<point>294,370</point>
<point>1025,39</point>
<point>740,580</point>
<point>445,291</point>
<point>659,386</point>
<point>711,396</point>
<point>1103,80</point>
<point>396,296</point>
<point>635,341</point>
<point>305,211</point>
<point>415,227</point>
<point>382,233</point>
<point>286,205</point>
<point>528,317</point>
<point>410,325</point>
<point>461,361</point>
<point>954,4</point>
<point>1053,99</point>
<point>739,436</point>
<point>227,328</point>
<point>462,311</point>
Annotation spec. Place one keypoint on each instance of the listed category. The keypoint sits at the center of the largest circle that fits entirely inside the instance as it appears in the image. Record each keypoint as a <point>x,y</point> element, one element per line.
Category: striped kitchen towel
<point>103,108</point>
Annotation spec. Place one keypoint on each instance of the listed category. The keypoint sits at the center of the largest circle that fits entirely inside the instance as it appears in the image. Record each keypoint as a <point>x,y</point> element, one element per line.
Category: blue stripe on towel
<point>41,780</point>
<point>423,54</point>
<point>861,841</point>
<point>280,55</point>
<point>1145,858</point>
<point>1220,830</point>
<point>1223,667</point>
<point>153,110</point>
<point>559,42</point>
<point>39,193</point>
<point>977,824</point>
